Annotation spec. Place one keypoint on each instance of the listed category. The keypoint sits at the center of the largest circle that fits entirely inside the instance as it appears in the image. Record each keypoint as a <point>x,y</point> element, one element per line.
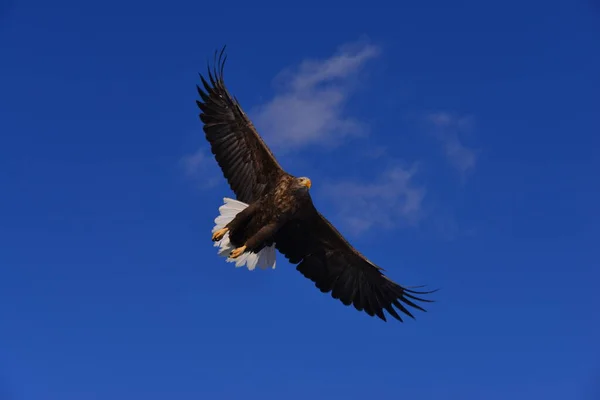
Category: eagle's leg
<point>236,222</point>
<point>237,252</point>
<point>265,233</point>
<point>218,235</point>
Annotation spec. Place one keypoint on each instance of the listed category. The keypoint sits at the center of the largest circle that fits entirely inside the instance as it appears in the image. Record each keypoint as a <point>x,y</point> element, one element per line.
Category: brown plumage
<point>280,211</point>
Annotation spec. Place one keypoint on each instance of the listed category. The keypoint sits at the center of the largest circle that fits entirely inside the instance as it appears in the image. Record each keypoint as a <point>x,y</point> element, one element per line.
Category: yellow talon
<point>218,235</point>
<point>237,252</point>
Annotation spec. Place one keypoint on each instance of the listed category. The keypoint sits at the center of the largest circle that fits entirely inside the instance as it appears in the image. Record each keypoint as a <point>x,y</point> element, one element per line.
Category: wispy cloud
<point>201,167</point>
<point>309,103</point>
<point>309,107</point>
<point>447,128</point>
<point>392,200</point>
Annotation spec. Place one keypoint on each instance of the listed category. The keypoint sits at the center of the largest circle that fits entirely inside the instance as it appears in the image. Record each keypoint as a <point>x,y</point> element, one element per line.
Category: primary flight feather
<point>274,210</point>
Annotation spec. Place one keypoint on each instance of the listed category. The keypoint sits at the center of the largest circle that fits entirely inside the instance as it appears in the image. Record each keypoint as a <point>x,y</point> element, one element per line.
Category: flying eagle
<point>274,210</point>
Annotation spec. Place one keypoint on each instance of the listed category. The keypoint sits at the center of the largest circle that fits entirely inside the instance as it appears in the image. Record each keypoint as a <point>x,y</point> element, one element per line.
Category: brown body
<point>281,211</point>
<point>257,226</point>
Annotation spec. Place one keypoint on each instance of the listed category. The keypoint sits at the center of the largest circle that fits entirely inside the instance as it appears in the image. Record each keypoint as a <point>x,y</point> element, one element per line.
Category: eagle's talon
<point>237,252</point>
<point>218,235</point>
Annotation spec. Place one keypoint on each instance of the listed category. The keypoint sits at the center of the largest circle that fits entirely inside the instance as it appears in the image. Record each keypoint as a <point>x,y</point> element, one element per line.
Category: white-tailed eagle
<point>274,210</point>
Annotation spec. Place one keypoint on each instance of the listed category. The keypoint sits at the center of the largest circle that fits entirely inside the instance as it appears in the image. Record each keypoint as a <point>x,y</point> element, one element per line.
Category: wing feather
<point>325,257</point>
<point>247,163</point>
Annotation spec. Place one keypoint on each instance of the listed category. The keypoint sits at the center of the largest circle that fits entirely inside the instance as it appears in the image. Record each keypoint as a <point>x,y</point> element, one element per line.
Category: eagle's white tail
<point>263,259</point>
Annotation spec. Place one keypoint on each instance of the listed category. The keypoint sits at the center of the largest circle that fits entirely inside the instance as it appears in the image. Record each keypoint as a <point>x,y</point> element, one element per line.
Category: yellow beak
<point>307,183</point>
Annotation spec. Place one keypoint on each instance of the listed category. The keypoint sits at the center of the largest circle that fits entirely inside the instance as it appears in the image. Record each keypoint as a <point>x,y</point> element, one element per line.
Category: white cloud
<point>309,105</point>
<point>202,167</point>
<point>309,108</point>
<point>447,129</point>
<point>394,199</point>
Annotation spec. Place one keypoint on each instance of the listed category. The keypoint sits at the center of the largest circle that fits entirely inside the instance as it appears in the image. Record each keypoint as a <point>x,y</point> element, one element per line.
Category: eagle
<point>273,210</point>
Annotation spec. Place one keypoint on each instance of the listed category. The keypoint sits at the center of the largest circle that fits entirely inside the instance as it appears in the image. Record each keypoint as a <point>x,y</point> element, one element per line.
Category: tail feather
<point>264,259</point>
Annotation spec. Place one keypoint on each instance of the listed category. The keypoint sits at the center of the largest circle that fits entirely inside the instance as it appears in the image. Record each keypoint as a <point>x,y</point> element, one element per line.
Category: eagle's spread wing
<point>246,161</point>
<point>327,259</point>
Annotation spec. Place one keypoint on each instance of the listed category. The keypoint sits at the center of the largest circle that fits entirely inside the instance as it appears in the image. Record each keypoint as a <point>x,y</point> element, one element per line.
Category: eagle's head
<point>303,182</point>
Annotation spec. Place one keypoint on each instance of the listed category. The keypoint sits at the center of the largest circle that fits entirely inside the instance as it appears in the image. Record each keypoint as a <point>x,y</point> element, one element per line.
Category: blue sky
<point>454,143</point>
